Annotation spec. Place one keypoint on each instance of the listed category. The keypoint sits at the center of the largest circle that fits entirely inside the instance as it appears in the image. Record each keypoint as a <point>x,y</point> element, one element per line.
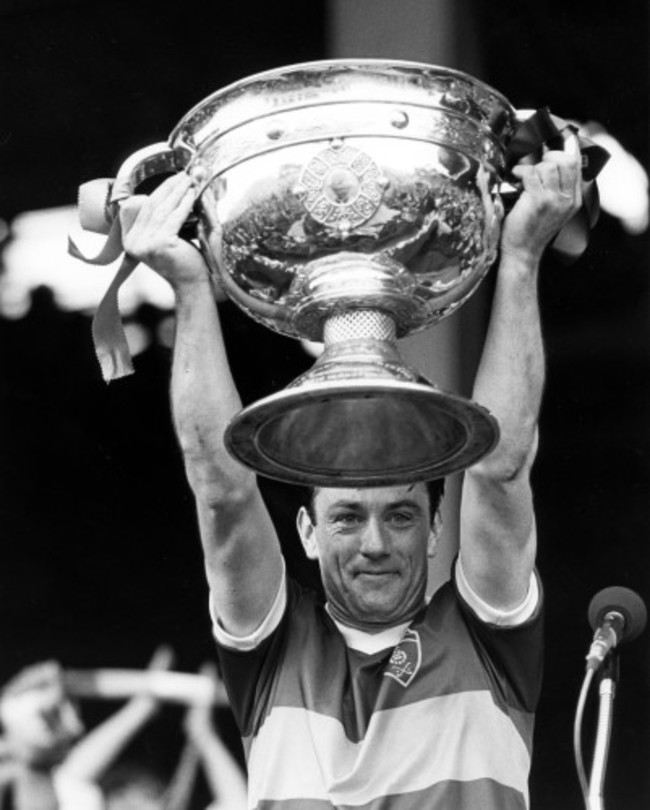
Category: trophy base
<point>356,433</point>
<point>361,417</point>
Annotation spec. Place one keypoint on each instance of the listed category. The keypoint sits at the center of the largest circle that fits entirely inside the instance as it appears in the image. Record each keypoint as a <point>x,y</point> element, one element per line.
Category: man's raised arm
<point>498,537</point>
<point>242,553</point>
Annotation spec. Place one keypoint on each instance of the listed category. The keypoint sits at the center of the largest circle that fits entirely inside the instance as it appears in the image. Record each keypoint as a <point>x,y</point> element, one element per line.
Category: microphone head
<point>624,601</point>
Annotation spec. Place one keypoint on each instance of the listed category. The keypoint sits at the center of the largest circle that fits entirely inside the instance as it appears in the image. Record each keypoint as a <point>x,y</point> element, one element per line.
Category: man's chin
<point>375,607</point>
<point>381,613</point>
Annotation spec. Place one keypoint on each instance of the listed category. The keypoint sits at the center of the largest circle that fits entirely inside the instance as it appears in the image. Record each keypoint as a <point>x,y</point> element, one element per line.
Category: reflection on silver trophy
<point>352,202</point>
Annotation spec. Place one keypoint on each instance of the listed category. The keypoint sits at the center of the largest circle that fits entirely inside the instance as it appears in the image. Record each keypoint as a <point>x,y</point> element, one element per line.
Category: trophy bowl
<point>350,202</point>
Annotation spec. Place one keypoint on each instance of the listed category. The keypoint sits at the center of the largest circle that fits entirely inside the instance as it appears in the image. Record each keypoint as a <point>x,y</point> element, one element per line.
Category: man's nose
<point>374,540</point>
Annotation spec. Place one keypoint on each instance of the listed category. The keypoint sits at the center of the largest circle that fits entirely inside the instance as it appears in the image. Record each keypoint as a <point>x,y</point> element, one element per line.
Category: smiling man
<point>373,547</point>
<point>374,698</point>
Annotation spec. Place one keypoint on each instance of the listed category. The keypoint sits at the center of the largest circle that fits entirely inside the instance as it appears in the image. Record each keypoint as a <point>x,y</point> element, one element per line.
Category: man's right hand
<point>150,228</point>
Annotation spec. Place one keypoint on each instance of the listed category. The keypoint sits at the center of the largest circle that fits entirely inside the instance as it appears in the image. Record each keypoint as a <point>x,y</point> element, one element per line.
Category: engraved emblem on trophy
<point>353,203</point>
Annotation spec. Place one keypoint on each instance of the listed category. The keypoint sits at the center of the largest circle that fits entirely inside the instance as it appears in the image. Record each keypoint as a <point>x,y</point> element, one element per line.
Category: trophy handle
<point>97,201</point>
<point>159,158</point>
<point>148,162</point>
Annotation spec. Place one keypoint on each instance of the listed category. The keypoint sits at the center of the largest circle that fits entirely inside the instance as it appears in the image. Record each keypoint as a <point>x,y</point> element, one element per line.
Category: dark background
<point>100,557</point>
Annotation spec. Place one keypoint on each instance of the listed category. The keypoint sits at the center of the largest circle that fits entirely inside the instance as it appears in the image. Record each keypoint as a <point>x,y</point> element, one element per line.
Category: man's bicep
<point>497,538</point>
<point>244,564</point>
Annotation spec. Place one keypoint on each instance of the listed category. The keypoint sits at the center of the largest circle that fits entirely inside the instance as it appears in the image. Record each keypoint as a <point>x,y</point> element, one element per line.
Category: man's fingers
<point>569,166</point>
<point>572,148</point>
<point>171,192</point>
<point>571,142</point>
<point>567,160</point>
<point>557,173</point>
<point>129,209</point>
<point>527,173</point>
<point>168,205</point>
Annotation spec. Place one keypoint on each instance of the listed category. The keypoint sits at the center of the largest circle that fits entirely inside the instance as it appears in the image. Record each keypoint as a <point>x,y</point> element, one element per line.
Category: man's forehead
<point>326,496</point>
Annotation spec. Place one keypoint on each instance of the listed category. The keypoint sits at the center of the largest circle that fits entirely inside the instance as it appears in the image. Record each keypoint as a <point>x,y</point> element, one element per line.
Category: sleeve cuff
<point>268,625</point>
<point>491,615</point>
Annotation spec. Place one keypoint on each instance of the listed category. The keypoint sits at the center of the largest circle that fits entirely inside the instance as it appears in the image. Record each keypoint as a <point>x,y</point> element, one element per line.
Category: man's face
<point>372,546</point>
<point>40,723</point>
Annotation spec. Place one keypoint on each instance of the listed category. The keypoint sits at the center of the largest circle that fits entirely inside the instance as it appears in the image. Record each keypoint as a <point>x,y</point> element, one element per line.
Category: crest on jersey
<point>406,659</point>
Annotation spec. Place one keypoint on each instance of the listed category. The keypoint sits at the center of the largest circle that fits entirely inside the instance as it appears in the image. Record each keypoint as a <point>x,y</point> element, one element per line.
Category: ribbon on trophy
<point>98,212</point>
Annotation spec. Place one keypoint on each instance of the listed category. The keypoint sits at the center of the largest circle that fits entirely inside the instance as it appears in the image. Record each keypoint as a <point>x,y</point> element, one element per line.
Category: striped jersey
<point>441,719</point>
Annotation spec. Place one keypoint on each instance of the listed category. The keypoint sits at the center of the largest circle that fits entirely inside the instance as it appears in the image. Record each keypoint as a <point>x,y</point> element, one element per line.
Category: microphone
<point>616,614</point>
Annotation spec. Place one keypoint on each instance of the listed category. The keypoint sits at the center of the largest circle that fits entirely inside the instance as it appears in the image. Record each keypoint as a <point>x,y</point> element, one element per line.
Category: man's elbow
<point>217,491</point>
<point>510,461</point>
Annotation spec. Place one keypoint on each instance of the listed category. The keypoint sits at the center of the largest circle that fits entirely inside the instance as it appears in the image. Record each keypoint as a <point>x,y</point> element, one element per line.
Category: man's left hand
<point>552,194</point>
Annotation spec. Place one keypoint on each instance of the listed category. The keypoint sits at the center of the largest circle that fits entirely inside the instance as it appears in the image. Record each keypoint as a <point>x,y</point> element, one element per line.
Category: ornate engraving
<point>341,187</point>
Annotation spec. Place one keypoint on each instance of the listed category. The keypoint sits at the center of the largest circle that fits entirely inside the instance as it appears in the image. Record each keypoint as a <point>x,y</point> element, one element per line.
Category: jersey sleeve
<point>265,629</point>
<point>511,651</point>
<point>248,666</point>
<point>492,615</point>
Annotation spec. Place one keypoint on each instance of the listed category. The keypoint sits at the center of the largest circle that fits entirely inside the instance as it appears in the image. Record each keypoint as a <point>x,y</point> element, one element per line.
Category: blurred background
<point>100,556</point>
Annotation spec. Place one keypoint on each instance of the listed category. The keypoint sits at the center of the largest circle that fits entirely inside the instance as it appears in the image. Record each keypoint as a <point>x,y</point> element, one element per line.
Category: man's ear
<point>307,533</point>
<point>434,534</point>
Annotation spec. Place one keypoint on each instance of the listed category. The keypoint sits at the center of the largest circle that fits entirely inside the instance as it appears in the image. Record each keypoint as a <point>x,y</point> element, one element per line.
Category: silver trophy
<point>349,202</point>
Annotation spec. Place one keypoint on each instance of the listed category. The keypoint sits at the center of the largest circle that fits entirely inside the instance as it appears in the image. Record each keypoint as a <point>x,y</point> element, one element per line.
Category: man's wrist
<point>191,289</point>
<point>522,259</point>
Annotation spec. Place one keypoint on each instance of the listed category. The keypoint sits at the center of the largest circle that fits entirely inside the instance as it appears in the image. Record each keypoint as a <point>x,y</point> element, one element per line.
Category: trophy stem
<point>369,323</point>
<point>360,345</point>
<point>357,295</point>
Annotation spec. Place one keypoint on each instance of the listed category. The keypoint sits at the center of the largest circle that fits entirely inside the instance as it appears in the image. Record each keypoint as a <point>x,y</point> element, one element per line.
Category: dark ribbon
<point>541,130</point>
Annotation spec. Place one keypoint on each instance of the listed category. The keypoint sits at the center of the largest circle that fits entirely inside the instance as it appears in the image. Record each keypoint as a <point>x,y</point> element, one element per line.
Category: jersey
<point>443,718</point>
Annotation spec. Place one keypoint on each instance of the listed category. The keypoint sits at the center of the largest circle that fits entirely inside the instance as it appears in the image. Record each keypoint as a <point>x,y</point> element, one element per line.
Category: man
<point>376,699</point>
<point>39,727</point>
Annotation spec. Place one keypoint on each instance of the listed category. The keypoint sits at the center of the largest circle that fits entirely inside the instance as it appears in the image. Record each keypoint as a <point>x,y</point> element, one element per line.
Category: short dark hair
<point>435,491</point>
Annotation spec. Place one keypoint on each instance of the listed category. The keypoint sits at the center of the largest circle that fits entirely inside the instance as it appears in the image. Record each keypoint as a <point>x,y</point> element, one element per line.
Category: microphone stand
<point>607,693</point>
<point>616,614</point>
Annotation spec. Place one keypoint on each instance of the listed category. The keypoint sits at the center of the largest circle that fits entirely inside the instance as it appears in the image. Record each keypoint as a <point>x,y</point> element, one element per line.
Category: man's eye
<point>347,519</point>
<point>401,518</point>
